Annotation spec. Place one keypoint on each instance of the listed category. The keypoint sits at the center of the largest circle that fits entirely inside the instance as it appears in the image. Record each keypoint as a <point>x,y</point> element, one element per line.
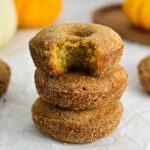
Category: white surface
<point>17,131</point>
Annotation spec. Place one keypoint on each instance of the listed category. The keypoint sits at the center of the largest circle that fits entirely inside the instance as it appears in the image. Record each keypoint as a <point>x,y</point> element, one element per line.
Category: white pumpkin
<point>8,21</point>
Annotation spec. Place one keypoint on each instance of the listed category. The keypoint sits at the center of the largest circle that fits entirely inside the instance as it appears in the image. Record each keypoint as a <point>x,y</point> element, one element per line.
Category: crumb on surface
<point>4,100</point>
<point>137,124</point>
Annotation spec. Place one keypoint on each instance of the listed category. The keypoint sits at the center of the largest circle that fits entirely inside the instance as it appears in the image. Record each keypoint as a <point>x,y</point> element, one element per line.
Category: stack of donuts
<point>79,81</point>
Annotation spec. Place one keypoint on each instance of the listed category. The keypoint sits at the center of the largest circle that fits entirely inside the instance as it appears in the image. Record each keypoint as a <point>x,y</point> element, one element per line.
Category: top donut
<point>92,48</point>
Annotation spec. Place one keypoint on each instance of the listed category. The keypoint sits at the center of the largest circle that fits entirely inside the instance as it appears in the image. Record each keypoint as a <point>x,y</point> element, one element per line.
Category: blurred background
<point>21,19</point>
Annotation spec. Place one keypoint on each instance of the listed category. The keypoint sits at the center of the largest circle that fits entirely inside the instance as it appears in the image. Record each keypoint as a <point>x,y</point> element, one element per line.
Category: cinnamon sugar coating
<point>4,77</point>
<point>96,49</point>
<point>144,73</point>
<point>77,90</point>
<point>73,126</point>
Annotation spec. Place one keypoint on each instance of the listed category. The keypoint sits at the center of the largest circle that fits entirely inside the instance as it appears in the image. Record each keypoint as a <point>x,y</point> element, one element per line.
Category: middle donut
<point>79,91</point>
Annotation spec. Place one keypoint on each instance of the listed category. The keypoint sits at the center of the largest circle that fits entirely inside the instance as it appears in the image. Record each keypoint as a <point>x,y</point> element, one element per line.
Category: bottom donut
<point>76,126</point>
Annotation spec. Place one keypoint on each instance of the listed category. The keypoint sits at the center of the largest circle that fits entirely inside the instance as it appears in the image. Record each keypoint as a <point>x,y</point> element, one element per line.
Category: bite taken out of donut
<point>92,48</point>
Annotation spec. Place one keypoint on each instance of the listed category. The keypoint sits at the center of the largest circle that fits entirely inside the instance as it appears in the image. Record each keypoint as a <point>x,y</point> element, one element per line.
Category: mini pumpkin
<point>37,13</point>
<point>138,12</point>
<point>8,21</point>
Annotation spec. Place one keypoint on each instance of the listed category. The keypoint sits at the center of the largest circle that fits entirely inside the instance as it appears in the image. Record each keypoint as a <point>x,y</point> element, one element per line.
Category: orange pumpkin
<point>37,13</point>
<point>138,12</point>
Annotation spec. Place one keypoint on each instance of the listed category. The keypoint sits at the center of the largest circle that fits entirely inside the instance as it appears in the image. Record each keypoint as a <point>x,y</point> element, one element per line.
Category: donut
<point>4,77</point>
<point>92,48</point>
<point>144,73</point>
<point>79,91</point>
<point>76,126</point>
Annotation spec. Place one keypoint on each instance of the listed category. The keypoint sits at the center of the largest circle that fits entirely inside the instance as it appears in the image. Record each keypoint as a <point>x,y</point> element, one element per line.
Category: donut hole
<point>79,55</point>
<point>83,33</point>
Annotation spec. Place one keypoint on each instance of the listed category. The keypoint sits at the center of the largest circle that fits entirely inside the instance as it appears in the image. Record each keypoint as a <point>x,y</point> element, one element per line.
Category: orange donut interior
<point>78,54</point>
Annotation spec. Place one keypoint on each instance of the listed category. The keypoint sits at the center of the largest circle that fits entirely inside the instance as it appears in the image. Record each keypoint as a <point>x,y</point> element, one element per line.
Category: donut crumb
<point>4,100</point>
<point>83,88</point>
